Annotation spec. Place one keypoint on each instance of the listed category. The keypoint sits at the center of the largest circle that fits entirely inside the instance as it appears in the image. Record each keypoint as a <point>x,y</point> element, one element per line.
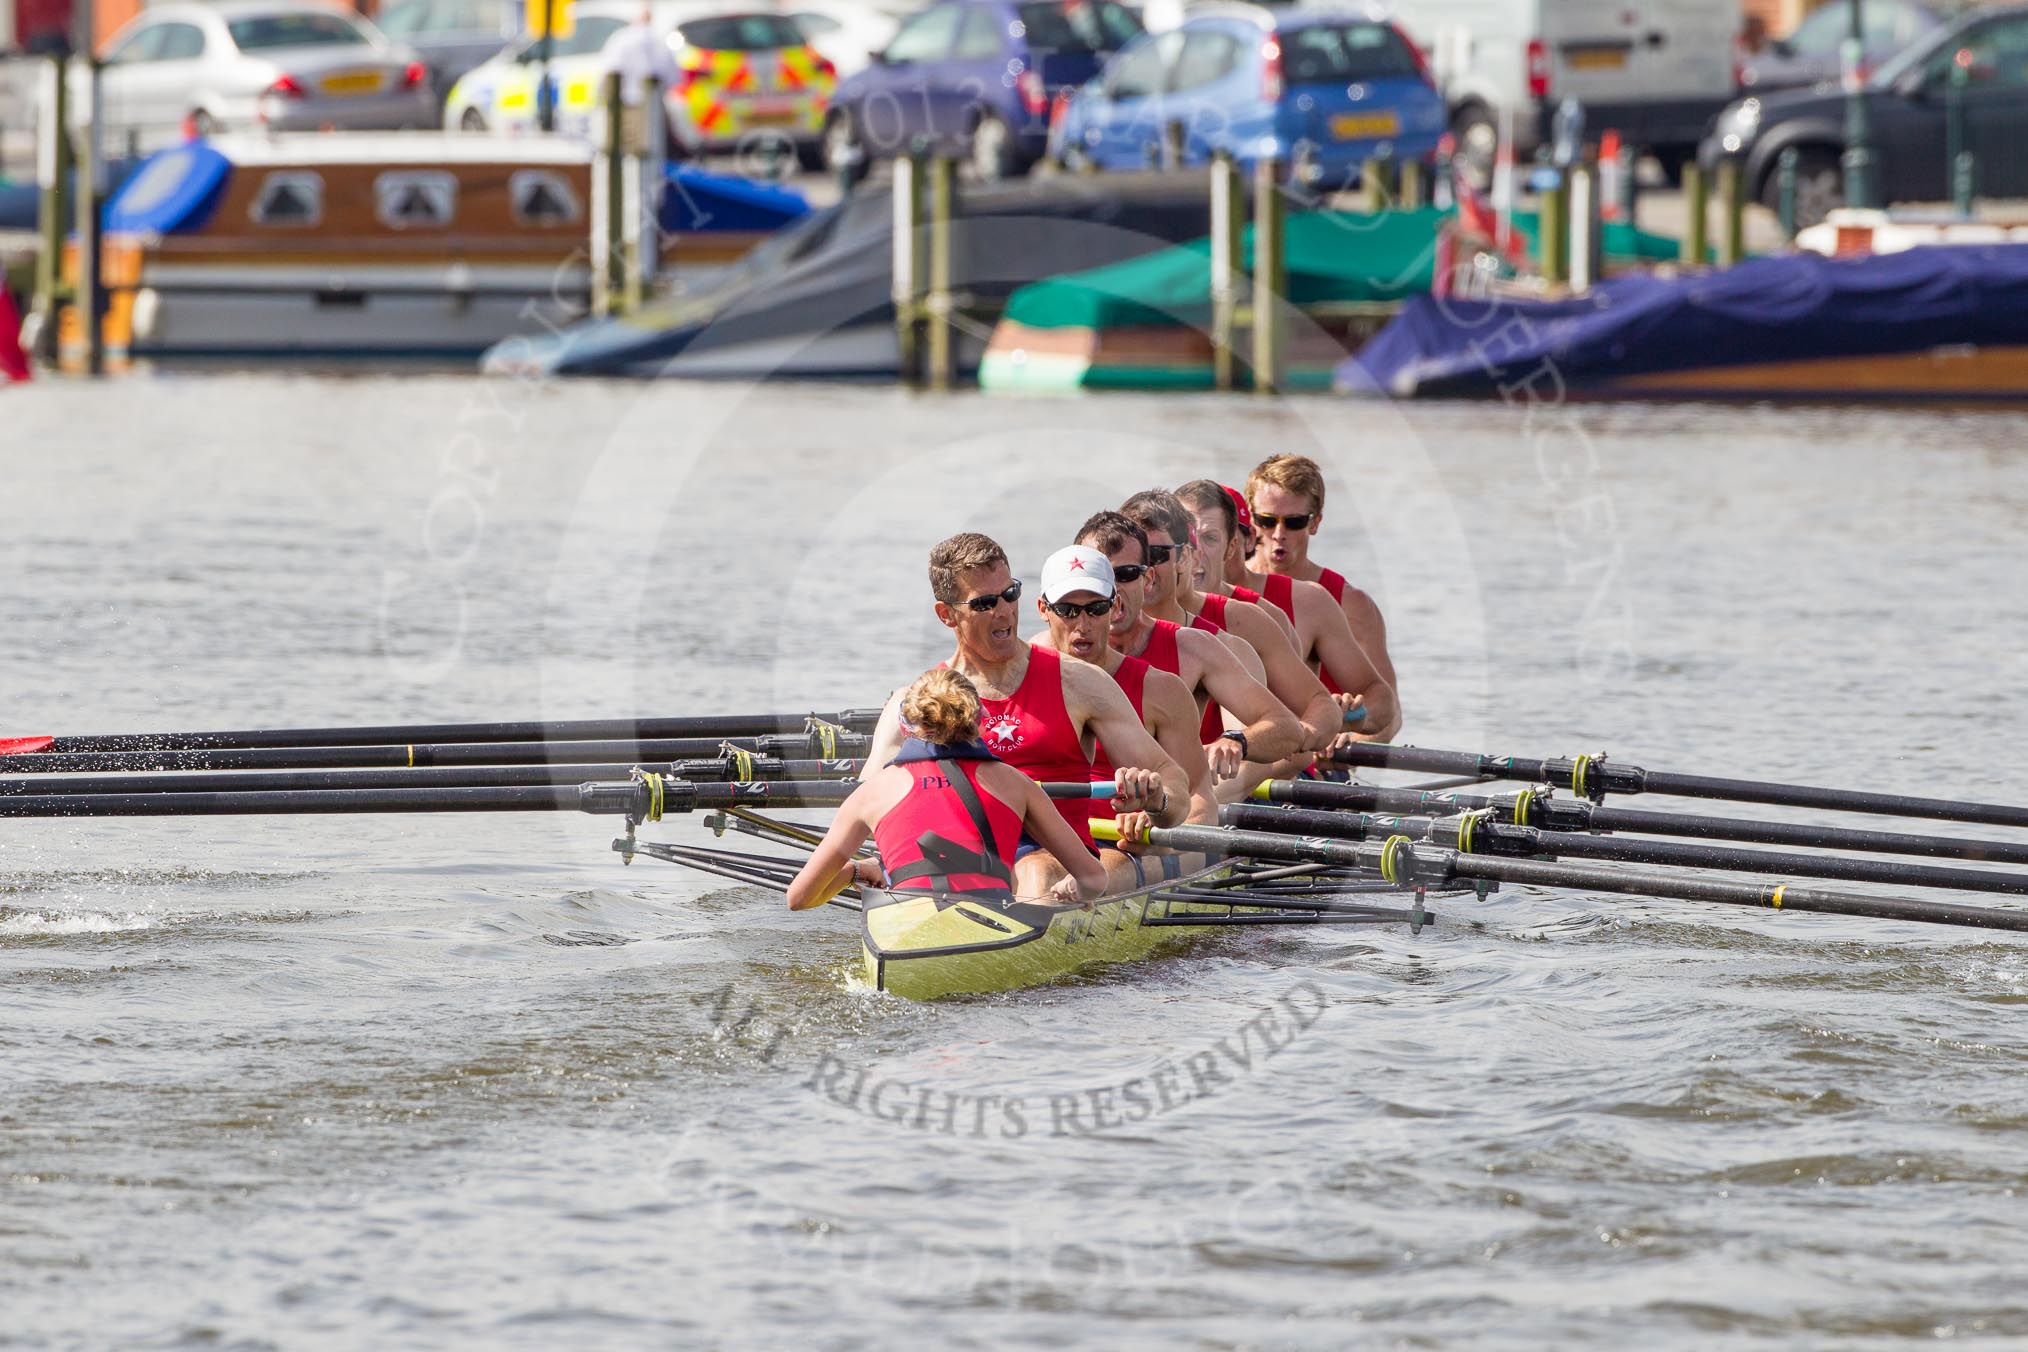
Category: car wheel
<point>841,145</point>
<point>1820,186</point>
<point>992,149</point>
<point>473,120</point>
<point>1478,145</point>
<point>813,156</point>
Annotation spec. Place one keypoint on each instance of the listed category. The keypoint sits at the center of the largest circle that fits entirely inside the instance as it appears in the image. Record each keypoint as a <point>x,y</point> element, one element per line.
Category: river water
<point>468,1081</point>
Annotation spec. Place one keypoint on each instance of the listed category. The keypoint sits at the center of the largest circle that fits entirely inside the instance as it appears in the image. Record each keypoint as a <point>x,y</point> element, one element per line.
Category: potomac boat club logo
<point>1002,732</point>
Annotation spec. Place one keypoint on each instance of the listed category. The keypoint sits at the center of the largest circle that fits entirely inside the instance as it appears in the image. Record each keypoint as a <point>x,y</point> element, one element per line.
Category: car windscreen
<point>742,32</point>
<point>1335,54</point>
<point>257,32</point>
<point>1082,26</point>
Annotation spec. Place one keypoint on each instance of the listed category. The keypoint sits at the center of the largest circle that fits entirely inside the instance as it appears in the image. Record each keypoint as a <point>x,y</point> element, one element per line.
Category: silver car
<point>451,36</point>
<point>281,65</point>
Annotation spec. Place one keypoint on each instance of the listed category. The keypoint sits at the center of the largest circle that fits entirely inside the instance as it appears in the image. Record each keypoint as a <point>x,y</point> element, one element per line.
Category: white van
<point>1656,70</point>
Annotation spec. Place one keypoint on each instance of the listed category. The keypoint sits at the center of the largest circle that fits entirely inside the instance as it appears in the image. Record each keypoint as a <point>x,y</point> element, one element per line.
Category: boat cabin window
<point>289,197</point>
<point>542,197</point>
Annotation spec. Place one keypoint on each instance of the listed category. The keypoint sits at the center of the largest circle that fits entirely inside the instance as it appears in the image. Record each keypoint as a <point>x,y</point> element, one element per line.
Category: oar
<point>578,730</point>
<point>646,798</point>
<point>1542,808</point>
<point>1594,777</point>
<point>717,769</point>
<point>1400,860</point>
<point>783,745</point>
<point>1481,833</point>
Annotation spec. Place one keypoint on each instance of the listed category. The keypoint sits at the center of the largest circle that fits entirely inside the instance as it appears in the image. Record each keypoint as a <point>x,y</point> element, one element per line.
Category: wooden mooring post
<point>1732,203</point>
<point>1697,230</point>
<point>53,167</point>
<point>1554,244</point>
<point>1228,228</point>
<point>1587,227</point>
<point>943,194</point>
<point>1270,276</point>
<point>609,202</point>
<point>925,209</point>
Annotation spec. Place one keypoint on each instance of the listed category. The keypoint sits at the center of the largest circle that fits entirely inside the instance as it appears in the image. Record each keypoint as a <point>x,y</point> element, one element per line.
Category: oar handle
<point>1098,788</point>
<point>1357,715</point>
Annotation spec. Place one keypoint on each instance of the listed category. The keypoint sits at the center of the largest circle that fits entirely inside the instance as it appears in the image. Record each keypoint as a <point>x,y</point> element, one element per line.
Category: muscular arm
<point>887,737</point>
<point>1046,826</point>
<point>1099,707</point>
<point>1172,720</point>
<point>829,868</point>
<point>1271,730</point>
<point>1289,678</point>
<point>1348,662</point>
<point>1383,703</point>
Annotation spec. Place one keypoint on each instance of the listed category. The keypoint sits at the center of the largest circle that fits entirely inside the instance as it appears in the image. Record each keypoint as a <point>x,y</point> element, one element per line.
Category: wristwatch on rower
<point>1236,735</point>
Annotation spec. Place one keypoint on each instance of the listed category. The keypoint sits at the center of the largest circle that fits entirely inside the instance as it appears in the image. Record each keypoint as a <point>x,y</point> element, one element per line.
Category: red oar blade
<point>15,746</point>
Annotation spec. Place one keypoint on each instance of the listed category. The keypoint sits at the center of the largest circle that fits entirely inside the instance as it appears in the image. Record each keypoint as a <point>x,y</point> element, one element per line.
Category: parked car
<point>1326,92</point>
<point>976,77</point>
<point>747,77</point>
<point>846,32</point>
<point>283,65</point>
<point>1814,50</point>
<point>451,36</point>
<point>1908,102</point>
<point>1656,70</point>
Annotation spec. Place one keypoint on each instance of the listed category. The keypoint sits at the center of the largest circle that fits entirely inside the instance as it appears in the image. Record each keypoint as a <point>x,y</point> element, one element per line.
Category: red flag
<point>13,361</point>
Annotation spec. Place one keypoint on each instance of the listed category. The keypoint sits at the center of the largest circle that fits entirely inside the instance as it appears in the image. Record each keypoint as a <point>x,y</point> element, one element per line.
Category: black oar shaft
<point>564,730</point>
<point>1486,836</point>
<point>1567,814</point>
<point>439,777</point>
<point>1400,860</point>
<point>1596,777</point>
<point>424,754</point>
<point>620,797</point>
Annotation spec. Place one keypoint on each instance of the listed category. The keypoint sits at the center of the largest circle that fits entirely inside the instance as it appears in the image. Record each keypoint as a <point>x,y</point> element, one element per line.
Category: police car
<point>748,78</point>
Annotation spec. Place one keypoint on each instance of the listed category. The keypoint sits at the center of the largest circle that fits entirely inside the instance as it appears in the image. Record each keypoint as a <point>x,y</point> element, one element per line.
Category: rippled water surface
<point>468,1081</point>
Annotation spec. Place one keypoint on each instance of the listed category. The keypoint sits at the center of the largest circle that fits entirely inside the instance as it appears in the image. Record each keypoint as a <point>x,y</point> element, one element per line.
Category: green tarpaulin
<point>1332,256</point>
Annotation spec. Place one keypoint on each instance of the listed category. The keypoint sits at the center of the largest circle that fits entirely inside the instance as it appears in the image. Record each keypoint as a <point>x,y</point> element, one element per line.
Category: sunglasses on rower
<point>1129,572</point>
<point>979,605</point>
<point>1158,554</point>
<point>1070,610</point>
<point>1267,521</point>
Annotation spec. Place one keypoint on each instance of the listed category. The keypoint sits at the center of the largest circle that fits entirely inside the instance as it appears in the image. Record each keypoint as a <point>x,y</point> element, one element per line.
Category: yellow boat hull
<point>923,947</point>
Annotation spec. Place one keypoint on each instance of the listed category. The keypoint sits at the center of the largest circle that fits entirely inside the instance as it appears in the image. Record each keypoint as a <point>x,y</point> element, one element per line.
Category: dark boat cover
<point>1794,307</point>
<point>816,300</point>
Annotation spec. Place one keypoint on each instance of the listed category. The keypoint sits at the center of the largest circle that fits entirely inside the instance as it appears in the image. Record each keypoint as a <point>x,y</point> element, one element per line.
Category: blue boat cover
<point>173,190</point>
<point>1794,307</point>
<point>700,200</point>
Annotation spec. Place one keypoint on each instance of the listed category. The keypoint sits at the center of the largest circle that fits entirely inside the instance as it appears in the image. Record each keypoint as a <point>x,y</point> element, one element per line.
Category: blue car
<point>1323,92</point>
<point>974,77</point>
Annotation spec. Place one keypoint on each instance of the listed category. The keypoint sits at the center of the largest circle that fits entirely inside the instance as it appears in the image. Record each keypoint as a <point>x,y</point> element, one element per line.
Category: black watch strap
<point>1236,735</point>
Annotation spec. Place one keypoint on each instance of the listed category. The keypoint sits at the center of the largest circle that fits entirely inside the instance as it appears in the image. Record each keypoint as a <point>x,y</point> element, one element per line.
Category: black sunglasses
<point>1128,572</point>
<point>1159,553</point>
<point>1070,610</point>
<point>979,605</point>
<point>1267,522</point>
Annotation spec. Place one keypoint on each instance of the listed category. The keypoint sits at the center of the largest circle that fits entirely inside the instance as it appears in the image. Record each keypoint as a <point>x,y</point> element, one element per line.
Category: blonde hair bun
<point>941,707</point>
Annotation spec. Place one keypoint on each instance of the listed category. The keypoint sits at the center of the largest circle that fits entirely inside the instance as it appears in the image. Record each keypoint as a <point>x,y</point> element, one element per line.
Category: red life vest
<point>1133,682</point>
<point>1031,731</point>
<point>947,834</point>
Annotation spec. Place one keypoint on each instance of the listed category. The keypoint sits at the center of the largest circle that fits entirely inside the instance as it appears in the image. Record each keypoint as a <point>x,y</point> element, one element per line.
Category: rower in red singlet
<point>1339,628</point>
<point>1036,709</point>
<point>1078,598</point>
<point>1267,732</point>
<point>945,815</point>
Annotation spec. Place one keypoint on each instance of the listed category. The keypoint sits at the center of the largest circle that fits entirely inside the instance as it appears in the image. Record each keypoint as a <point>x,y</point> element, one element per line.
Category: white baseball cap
<point>1076,568</point>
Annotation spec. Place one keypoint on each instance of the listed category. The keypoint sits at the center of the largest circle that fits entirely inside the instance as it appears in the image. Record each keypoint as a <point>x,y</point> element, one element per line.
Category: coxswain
<point>1172,595</point>
<point>1077,604</point>
<point>1267,731</point>
<point>1039,712</point>
<point>945,814</point>
<point>1338,627</point>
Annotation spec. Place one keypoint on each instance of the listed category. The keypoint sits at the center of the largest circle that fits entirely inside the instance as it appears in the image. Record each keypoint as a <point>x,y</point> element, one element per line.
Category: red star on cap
<point>1076,565</point>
